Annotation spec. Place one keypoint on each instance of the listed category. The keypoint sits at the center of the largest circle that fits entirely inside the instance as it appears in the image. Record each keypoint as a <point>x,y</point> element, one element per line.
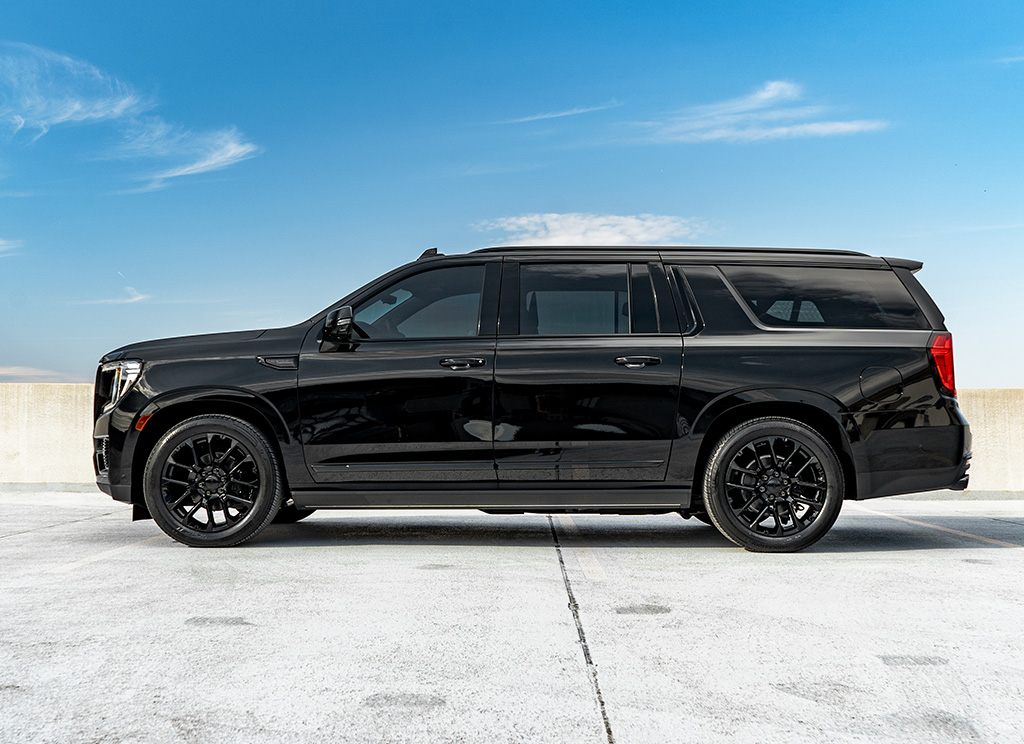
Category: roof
<point>668,249</point>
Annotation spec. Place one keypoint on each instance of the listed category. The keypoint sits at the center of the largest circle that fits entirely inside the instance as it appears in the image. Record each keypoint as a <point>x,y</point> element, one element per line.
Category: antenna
<point>429,252</point>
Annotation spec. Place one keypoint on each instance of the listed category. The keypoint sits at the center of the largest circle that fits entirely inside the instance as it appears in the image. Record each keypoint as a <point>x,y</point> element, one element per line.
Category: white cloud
<point>560,114</point>
<point>43,88</point>
<point>201,152</point>
<point>133,296</point>
<point>576,228</point>
<point>32,374</point>
<point>40,89</point>
<point>6,246</point>
<point>765,114</point>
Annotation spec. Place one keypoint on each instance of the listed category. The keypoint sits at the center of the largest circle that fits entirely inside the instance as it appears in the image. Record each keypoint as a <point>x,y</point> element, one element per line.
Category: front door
<point>409,400</point>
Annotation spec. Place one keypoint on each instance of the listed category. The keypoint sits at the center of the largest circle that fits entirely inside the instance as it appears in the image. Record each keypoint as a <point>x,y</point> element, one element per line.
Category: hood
<point>172,347</point>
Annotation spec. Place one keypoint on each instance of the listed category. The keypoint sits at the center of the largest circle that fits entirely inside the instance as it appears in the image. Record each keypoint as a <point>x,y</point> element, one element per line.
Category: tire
<point>773,485</point>
<point>290,514</point>
<point>213,481</point>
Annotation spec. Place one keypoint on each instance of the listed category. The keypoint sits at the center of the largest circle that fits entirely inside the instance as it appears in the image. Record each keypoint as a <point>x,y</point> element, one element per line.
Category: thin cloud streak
<point>561,114</point>
<point>765,114</point>
<point>578,228</point>
<point>40,89</point>
<point>133,296</point>
<point>6,246</point>
<point>44,88</point>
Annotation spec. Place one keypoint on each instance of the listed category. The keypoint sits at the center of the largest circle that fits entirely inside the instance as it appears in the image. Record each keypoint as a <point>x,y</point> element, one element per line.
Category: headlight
<point>122,375</point>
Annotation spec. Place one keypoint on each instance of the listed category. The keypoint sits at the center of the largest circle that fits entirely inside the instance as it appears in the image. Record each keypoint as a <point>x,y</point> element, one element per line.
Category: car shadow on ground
<point>854,536</point>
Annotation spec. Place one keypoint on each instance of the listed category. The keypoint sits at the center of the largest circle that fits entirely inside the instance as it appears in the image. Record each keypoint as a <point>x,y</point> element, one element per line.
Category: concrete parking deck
<point>902,625</point>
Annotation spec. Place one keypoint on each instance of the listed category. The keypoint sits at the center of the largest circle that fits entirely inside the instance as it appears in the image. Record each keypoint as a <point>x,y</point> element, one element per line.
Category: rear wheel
<point>773,485</point>
<point>212,481</point>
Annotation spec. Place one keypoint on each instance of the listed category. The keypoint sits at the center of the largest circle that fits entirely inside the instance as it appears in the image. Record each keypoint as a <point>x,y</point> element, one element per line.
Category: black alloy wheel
<point>212,481</point>
<point>773,485</point>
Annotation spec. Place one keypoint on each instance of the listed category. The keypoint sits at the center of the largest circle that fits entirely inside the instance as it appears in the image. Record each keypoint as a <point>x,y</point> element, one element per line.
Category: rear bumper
<point>912,460</point>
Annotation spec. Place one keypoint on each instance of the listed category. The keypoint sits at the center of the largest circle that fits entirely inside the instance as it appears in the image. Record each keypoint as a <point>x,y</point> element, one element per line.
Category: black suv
<point>754,389</point>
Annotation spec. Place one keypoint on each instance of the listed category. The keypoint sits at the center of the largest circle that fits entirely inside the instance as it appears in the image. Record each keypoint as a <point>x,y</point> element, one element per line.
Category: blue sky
<point>176,168</point>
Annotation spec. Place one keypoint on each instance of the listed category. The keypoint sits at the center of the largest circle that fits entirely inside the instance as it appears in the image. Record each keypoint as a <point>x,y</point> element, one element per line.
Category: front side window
<point>573,299</point>
<point>822,297</point>
<point>437,303</point>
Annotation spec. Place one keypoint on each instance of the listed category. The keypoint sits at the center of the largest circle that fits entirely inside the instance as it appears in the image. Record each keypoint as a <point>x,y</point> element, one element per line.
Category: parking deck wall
<point>46,435</point>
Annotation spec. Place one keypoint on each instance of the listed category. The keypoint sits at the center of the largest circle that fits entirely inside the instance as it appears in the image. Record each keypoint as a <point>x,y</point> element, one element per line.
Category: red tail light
<point>942,353</point>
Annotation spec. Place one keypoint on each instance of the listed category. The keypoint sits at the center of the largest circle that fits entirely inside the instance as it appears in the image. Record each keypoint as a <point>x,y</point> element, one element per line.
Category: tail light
<point>942,354</point>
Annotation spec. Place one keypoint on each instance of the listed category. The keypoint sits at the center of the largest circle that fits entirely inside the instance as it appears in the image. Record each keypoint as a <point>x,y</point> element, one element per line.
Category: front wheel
<point>212,481</point>
<point>773,485</point>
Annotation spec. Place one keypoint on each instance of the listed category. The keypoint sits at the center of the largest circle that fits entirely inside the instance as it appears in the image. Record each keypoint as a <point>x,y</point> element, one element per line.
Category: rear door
<point>587,372</point>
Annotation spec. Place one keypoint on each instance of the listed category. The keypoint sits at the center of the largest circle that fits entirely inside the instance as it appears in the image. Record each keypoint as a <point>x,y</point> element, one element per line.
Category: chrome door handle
<point>637,362</point>
<point>462,363</point>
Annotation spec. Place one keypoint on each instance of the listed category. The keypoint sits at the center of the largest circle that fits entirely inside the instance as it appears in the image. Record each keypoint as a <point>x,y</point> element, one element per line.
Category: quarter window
<point>809,297</point>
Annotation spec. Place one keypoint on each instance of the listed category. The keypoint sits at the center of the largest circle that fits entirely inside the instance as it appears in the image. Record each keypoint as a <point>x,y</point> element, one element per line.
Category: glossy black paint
<point>553,422</point>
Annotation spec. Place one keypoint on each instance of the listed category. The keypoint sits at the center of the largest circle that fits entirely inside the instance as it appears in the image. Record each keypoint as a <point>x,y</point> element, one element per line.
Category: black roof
<point>669,249</point>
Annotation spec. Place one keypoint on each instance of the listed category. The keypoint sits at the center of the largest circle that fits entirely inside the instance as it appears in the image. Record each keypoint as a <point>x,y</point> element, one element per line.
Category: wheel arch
<point>168,411</point>
<point>821,413</point>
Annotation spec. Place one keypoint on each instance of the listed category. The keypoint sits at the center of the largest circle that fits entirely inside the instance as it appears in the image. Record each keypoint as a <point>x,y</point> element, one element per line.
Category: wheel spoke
<point>181,499</point>
<point>760,516</point>
<point>240,463</point>
<point>228,451</point>
<point>808,502</point>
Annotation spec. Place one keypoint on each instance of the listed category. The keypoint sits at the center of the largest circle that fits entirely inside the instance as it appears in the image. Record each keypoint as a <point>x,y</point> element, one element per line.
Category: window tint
<point>800,296</point>
<point>573,299</point>
<point>439,303</point>
<point>719,310</point>
<point>644,313</point>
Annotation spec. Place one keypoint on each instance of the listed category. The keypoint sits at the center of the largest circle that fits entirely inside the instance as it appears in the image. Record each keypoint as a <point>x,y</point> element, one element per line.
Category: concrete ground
<point>902,625</point>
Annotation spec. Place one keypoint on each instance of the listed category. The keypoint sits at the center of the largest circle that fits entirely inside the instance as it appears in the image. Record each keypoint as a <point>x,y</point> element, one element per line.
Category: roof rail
<point>673,248</point>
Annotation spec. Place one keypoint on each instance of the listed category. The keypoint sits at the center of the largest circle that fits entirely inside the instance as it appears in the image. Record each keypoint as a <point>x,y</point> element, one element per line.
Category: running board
<point>672,499</point>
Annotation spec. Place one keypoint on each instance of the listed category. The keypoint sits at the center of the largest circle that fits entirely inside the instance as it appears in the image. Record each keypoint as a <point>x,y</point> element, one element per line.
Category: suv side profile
<point>753,388</point>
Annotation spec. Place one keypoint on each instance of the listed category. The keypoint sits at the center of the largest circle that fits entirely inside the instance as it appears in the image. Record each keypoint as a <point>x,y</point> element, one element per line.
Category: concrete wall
<point>46,435</point>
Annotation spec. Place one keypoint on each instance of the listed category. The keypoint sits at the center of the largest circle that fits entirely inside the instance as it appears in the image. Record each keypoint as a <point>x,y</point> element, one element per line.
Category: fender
<point>286,437</point>
<point>223,394</point>
<point>745,396</point>
<point>693,445</point>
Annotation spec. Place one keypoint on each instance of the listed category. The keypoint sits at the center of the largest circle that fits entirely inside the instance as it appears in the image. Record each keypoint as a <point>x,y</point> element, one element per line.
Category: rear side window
<point>573,299</point>
<point>816,297</point>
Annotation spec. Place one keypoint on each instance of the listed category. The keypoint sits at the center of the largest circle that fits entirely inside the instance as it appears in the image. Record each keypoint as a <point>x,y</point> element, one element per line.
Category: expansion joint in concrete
<point>575,609</point>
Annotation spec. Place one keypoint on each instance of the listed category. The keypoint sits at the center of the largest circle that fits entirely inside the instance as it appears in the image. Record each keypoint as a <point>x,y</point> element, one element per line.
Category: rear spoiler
<point>905,263</point>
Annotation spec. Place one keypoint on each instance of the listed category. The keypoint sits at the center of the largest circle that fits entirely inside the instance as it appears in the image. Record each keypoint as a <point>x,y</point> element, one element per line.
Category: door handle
<point>637,362</point>
<point>462,363</point>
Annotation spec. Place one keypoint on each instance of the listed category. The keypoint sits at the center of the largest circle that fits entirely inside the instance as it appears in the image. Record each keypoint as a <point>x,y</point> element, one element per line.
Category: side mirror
<point>338,324</point>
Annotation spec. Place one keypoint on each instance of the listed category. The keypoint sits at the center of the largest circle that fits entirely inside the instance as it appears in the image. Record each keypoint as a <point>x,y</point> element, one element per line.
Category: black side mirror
<point>338,324</point>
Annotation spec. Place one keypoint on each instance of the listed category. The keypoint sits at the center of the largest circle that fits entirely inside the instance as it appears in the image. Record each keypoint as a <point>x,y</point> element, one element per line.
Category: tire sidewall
<point>268,497</point>
<point>715,493</point>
